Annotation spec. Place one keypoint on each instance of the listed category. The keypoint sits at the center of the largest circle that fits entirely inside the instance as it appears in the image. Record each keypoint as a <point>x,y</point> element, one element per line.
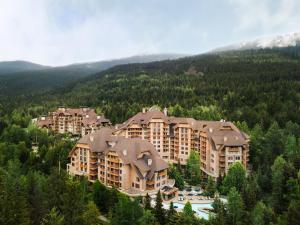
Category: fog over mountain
<point>279,41</point>
<point>9,67</point>
<point>18,66</point>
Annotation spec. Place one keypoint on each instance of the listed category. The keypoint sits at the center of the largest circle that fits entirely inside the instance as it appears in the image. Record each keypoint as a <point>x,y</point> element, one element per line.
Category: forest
<point>259,90</point>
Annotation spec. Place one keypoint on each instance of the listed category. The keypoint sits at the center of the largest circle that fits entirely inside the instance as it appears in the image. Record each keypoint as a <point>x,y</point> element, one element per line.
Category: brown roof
<point>144,118</point>
<point>44,121</point>
<point>89,115</point>
<point>225,134</point>
<point>133,151</point>
<point>219,132</point>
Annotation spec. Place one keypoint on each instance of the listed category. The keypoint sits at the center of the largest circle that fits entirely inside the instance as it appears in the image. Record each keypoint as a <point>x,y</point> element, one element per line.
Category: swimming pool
<point>195,207</point>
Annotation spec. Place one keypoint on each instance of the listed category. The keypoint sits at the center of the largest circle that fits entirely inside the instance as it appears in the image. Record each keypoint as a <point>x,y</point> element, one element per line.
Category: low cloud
<point>55,32</point>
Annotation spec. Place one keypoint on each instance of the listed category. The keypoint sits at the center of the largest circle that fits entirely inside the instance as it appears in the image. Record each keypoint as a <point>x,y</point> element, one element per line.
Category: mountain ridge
<point>277,41</point>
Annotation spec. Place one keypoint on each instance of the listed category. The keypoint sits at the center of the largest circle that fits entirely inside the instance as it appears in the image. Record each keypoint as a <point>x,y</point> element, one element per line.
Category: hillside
<point>25,77</point>
<point>7,67</point>
<point>254,86</point>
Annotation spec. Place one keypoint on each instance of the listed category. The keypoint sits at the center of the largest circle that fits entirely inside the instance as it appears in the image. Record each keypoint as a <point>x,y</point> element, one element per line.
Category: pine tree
<point>147,219</point>
<point>187,210</point>
<point>91,215</point>
<point>158,209</point>
<point>126,212</point>
<point>236,177</point>
<point>193,168</point>
<point>13,204</point>
<point>251,192</point>
<point>101,197</point>
<point>235,207</point>
<point>220,213</point>
<point>210,188</point>
<point>257,216</point>
<point>53,218</point>
<point>147,202</point>
<point>170,213</point>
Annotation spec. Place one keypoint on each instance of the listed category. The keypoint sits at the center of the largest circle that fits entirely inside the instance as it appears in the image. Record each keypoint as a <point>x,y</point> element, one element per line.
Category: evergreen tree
<point>293,215</point>
<point>101,196</point>
<point>235,207</point>
<point>236,177</point>
<point>220,213</point>
<point>158,209</point>
<point>210,188</point>
<point>257,216</point>
<point>13,204</point>
<point>174,173</point>
<point>193,168</point>
<point>171,211</point>
<point>126,212</point>
<point>147,202</point>
<point>36,196</point>
<point>187,210</point>
<point>251,192</point>
<point>278,184</point>
<point>91,215</point>
<point>147,219</point>
<point>72,203</point>
<point>53,218</point>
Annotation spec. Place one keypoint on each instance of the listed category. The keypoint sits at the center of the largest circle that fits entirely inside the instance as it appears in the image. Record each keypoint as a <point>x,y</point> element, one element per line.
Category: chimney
<point>87,116</point>
<point>43,118</point>
<point>144,110</point>
<point>210,130</point>
<point>124,152</point>
<point>61,108</point>
<point>84,109</point>
<point>149,162</point>
<point>166,111</point>
<point>98,117</point>
<point>225,138</point>
<point>91,138</point>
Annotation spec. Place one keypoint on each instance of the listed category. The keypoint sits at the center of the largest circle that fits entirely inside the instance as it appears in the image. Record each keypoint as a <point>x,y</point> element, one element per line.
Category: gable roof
<point>133,151</point>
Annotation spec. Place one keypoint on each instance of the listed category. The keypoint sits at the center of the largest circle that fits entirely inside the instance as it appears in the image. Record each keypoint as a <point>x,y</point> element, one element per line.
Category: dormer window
<point>111,143</point>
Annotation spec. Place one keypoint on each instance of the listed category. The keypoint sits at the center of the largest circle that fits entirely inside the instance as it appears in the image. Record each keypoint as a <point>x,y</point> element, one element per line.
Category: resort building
<point>80,121</point>
<point>219,143</point>
<point>130,164</point>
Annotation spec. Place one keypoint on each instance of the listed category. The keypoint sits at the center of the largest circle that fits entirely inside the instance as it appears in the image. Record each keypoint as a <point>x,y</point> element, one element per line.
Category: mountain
<point>103,65</point>
<point>258,86</point>
<point>279,41</point>
<point>33,77</point>
<point>7,67</point>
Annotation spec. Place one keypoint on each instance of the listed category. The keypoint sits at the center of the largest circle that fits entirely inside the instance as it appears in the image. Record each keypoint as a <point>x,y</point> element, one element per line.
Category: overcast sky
<point>57,32</point>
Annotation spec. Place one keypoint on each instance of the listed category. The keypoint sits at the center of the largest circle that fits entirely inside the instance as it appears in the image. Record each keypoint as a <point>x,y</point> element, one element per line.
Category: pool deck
<point>192,199</point>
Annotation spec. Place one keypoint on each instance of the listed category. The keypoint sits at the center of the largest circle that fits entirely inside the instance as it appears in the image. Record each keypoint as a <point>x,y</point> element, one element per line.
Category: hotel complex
<point>130,164</point>
<point>80,121</point>
<point>134,156</point>
<point>219,143</point>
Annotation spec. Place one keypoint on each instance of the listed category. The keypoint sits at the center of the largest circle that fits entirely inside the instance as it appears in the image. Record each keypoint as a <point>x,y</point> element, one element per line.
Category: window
<point>137,179</point>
